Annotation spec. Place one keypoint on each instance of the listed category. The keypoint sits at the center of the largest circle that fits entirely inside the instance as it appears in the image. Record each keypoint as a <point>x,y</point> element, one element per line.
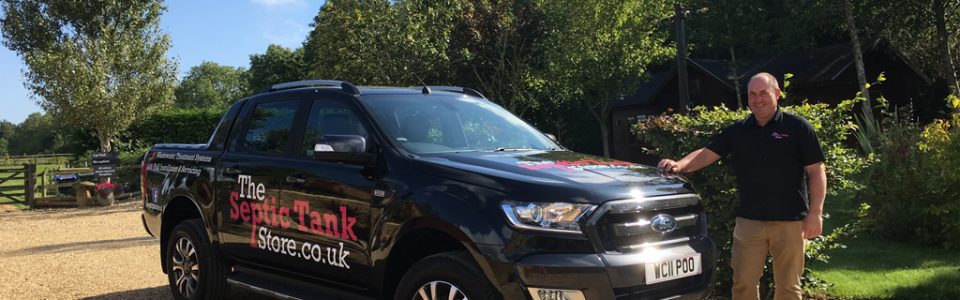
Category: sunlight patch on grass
<point>908,283</point>
<point>874,268</point>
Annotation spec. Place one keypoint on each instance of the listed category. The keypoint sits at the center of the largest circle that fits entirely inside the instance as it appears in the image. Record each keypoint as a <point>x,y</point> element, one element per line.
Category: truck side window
<point>270,125</point>
<point>329,118</point>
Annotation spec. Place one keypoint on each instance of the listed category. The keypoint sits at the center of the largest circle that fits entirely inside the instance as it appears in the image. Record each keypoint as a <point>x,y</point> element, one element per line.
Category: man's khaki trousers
<point>752,241</point>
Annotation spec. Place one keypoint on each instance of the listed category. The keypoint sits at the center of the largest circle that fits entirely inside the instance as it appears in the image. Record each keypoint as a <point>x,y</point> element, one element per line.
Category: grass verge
<point>873,268</point>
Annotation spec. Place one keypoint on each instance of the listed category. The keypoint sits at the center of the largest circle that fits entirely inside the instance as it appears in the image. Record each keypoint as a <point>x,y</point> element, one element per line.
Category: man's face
<point>762,98</point>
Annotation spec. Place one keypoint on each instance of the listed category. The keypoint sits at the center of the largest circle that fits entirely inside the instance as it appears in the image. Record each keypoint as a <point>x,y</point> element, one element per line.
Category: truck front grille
<point>626,225</point>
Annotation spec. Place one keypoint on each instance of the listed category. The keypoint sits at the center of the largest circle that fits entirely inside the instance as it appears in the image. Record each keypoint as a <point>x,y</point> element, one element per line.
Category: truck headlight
<point>544,216</point>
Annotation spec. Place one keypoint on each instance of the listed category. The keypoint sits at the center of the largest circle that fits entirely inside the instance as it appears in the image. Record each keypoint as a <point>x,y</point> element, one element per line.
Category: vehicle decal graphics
<point>173,169</point>
<point>333,256</point>
<point>184,157</point>
<point>263,212</point>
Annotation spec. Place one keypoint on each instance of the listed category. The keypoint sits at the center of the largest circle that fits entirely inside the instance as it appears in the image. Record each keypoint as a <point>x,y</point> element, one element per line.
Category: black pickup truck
<point>321,189</point>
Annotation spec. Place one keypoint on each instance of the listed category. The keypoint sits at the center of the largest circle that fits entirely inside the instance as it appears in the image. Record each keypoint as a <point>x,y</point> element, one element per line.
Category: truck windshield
<point>441,123</point>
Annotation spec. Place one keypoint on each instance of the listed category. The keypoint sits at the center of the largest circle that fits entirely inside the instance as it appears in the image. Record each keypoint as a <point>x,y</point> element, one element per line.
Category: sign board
<point>104,164</point>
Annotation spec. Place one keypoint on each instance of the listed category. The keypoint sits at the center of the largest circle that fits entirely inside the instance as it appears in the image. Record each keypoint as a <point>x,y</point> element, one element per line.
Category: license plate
<point>670,269</point>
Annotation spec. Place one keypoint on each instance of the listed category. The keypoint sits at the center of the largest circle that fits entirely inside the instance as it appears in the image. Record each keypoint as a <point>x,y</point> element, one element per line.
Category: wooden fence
<point>38,159</point>
<point>26,186</point>
<point>18,184</point>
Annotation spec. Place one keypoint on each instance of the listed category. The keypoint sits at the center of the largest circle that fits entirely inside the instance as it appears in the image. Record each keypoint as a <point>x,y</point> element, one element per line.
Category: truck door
<point>249,183</point>
<point>330,201</point>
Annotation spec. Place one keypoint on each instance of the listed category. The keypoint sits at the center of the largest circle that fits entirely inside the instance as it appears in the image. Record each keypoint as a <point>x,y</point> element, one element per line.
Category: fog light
<point>555,294</point>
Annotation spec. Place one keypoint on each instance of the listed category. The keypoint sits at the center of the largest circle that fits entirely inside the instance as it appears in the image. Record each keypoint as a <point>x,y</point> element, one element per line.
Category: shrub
<point>912,184</point>
<point>190,126</point>
<point>675,135</point>
<point>940,149</point>
<point>128,170</point>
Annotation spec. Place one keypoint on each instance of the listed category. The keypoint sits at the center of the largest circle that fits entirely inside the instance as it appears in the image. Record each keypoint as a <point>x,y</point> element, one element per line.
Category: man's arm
<point>696,160</point>
<point>817,183</point>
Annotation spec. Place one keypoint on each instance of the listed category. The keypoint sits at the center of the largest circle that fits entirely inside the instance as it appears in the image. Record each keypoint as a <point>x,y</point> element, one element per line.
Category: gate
<point>18,183</point>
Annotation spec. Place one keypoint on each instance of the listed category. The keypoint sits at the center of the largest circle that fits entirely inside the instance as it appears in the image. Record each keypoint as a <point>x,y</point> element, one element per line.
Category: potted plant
<point>104,193</point>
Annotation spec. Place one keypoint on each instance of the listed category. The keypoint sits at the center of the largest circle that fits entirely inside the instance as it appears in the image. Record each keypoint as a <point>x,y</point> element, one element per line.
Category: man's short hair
<point>770,78</point>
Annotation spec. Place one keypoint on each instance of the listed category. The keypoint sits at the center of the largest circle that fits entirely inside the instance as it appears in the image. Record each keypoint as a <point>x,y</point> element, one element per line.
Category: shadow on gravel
<point>159,292</point>
<point>71,212</point>
<point>91,245</point>
<point>163,292</point>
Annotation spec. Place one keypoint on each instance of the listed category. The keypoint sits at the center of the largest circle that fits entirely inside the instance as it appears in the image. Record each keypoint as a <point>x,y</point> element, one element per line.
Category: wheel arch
<point>179,209</point>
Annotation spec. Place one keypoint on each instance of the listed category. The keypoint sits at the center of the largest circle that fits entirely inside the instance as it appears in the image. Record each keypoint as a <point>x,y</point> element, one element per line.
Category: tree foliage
<point>7,129</point>
<point>39,133</point>
<point>912,27</point>
<point>544,60</point>
<point>494,47</point>
<point>381,42</point>
<point>598,51</point>
<point>211,85</point>
<point>180,125</point>
<point>277,65</point>
<point>98,64</point>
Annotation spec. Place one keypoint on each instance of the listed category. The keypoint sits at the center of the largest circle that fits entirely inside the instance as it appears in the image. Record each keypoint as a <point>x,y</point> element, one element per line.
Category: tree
<point>31,134</point>
<point>7,129</point>
<point>382,42</point>
<point>919,29</point>
<point>847,8</point>
<point>493,47</point>
<point>597,51</point>
<point>40,133</point>
<point>211,85</point>
<point>350,41</point>
<point>99,65</point>
<point>725,29</point>
<point>948,69</point>
<point>277,65</point>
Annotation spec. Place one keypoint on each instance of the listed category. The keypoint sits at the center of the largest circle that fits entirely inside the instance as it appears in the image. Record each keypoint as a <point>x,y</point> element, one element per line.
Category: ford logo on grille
<point>663,223</point>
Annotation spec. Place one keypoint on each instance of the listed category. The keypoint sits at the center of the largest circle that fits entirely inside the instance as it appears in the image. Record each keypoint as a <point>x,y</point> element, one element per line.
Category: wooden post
<point>29,180</point>
<point>43,184</point>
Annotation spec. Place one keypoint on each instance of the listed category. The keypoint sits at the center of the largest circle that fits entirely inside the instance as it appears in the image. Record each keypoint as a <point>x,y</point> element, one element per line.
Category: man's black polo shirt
<point>768,162</point>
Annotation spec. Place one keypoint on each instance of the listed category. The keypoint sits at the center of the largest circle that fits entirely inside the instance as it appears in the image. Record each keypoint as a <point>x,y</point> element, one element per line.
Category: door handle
<point>231,171</point>
<point>296,180</point>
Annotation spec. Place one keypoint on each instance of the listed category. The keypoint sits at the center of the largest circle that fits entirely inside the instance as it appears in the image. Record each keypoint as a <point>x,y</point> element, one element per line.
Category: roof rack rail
<point>457,89</point>
<point>346,86</point>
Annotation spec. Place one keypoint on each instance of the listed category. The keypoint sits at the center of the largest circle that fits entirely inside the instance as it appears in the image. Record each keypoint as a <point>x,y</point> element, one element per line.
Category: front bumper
<point>617,276</point>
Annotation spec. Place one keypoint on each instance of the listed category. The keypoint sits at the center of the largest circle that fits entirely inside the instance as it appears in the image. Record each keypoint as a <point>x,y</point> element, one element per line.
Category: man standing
<point>770,152</point>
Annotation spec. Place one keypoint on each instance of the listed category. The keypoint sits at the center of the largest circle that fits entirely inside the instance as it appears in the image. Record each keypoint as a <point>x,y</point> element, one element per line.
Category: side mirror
<point>351,149</point>
<point>553,138</point>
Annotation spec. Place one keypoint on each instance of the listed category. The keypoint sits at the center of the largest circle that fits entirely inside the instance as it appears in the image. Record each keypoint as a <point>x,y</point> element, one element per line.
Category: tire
<point>194,270</point>
<point>440,274</point>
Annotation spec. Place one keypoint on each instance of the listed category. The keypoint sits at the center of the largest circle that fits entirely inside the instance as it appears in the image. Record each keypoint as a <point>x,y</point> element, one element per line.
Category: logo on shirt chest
<point>779,136</point>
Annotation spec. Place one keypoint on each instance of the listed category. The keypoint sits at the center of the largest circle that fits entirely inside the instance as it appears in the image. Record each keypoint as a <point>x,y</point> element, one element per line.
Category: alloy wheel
<point>185,268</point>
<point>439,290</point>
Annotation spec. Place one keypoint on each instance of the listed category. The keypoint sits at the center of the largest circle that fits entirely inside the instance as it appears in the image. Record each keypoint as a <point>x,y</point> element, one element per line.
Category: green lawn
<point>873,268</point>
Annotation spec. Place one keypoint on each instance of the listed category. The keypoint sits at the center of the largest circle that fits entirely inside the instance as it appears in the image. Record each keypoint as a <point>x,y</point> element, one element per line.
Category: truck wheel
<point>448,275</point>
<point>193,268</point>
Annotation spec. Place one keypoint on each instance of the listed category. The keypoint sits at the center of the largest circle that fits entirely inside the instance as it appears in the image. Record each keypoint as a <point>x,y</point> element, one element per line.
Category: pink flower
<point>105,188</point>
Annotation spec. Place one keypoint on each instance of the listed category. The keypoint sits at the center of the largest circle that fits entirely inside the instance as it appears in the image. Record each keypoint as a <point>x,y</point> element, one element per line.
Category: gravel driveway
<point>91,253</point>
